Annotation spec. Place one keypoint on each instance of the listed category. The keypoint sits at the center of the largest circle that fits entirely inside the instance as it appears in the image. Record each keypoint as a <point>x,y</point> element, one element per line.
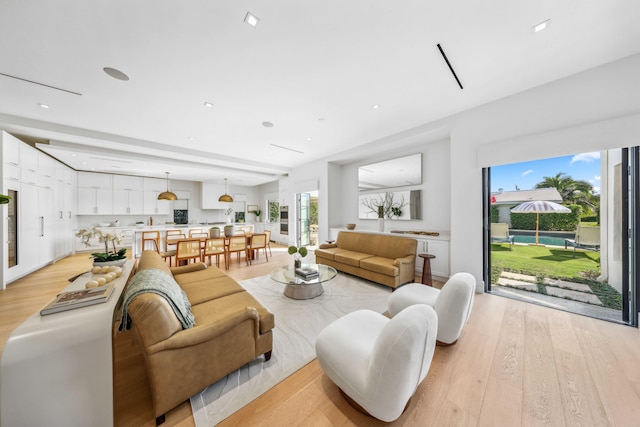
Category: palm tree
<point>572,191</point>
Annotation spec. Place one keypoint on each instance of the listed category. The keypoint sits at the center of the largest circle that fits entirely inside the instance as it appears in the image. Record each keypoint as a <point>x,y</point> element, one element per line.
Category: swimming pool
<point>543,240</point>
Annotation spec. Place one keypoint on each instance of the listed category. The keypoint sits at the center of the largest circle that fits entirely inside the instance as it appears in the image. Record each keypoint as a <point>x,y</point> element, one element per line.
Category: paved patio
<point>574,297</point>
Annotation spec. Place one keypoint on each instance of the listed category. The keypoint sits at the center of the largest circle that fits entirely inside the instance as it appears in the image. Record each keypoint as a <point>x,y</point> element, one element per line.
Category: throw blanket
<point>158,282</point>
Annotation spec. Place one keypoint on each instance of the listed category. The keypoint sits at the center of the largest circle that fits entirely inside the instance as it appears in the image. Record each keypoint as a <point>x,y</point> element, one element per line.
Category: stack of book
<point>76,299</point>
<point>307,273</point>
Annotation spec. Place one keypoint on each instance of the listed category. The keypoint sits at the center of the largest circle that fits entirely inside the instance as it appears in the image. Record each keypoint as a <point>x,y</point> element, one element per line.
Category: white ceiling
<point>312,68</point>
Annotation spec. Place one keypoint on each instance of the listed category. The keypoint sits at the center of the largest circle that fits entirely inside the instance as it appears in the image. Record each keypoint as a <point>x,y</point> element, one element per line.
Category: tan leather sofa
<point>232,328</point>
<point>388,260</point>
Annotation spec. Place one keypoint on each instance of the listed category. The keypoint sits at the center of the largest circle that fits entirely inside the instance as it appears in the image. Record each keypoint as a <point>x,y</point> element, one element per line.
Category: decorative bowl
<point>351,226</point>
<point>104,224</point>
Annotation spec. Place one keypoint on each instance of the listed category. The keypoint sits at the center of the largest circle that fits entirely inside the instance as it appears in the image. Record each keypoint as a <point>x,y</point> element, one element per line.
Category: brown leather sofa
<point>231,329</point>
<point>388,260</point>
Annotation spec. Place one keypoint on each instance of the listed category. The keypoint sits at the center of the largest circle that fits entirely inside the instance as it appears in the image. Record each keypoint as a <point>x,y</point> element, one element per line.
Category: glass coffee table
<point>300,288</point>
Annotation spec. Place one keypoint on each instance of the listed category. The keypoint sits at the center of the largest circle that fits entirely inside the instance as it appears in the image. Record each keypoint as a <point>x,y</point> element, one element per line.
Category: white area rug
<point>297,324</point>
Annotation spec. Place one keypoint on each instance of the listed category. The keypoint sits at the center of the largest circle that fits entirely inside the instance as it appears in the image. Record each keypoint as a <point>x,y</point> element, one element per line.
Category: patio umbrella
<point>538,207</point>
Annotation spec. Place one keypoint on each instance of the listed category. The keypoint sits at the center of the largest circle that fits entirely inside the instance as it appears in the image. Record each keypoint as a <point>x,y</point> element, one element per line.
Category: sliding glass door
<point>583,260</point>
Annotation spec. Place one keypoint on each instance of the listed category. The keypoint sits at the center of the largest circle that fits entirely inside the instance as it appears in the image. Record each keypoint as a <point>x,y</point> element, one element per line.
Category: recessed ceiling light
<point>74,155</point>
<point>541,26</point>
<point>208,104</point>
<point>251,19</point>
<point>375,106</point>
<point>116,74</point>
<point>45,106</point>
<point>191,138</point>
<point>267,124</point>
<point>309,138</point>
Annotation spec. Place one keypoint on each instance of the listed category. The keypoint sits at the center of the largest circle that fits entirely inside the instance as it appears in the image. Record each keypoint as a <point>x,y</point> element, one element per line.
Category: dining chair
<point>201,235</point>
<point>268,233</point>
<point>188,249</point>
<point>257,242</point>
<point>152,238</point>
<point>215,246</point>
<point>237,245</point>
<point>194,230</point>
<point>172,234</point>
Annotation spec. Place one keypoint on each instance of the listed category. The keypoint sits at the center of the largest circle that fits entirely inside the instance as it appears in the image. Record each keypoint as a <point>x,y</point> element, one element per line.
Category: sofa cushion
<point>351,257</point>
<point>380,265</point>
<point>206,290</point>
<point>198,276</point>
<point>377,244</point>
<point>208,311</point>
<point>329,253</point>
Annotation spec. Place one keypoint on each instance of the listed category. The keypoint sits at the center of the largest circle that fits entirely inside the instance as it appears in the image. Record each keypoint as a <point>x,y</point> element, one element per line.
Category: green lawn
<point>552,262</point>
<point>555,263</point>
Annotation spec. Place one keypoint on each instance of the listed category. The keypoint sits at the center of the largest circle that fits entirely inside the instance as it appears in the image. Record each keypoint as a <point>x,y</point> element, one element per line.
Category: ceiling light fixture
<point>208,104</point>
<point>286,148</point>
<point>225,197</point>
<point>167,195</point>
<point>541,26</point>
<point>375,106</point>
<point>45,106</point>
<point>267,124</point>
<point>251,19</point>
<point>444,56</point>
<point>116,74</point>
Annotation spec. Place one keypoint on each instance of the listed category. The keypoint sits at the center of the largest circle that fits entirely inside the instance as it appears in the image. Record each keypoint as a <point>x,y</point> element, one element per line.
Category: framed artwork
<point>251,208</point>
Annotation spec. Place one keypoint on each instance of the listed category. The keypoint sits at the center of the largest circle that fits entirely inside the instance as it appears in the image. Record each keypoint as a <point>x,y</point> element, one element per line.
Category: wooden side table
<point>426,269</point>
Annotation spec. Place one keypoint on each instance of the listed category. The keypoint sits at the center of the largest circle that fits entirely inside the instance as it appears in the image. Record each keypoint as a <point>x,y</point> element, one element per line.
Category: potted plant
<point>298,254</point>
<point>257,213</point>
<point>114,257</point>
<point>229,230</point>
<point>214,232</point>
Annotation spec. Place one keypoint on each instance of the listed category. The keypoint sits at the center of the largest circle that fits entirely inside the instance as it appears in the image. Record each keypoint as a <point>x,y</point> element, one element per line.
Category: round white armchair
<point>452,303</point>
<point>376,361</point>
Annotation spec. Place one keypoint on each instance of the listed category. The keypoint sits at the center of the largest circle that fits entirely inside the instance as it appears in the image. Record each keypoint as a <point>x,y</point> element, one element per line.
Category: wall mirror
<point>393,205</point>
<point>391,173</point>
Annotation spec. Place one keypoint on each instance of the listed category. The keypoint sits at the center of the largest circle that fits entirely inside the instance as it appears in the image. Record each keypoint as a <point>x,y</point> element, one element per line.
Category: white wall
<point>596,109</point>
<point>590,111</point>
<point>436,194</point>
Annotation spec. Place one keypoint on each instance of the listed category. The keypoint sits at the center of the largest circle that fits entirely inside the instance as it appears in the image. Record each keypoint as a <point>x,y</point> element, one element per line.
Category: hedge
<point>494,213</point>
<point>548,221</point>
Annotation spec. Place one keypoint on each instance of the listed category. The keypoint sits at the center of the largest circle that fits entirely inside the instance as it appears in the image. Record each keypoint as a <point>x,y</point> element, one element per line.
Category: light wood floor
<point>515,364</point>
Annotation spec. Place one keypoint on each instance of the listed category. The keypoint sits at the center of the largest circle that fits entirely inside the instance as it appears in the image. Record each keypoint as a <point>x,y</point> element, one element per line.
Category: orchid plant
<point>107,238</point>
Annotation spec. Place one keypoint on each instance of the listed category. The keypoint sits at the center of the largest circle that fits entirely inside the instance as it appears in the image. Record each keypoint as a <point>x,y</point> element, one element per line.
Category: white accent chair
<point>378,362</point>
<point>453,303</point>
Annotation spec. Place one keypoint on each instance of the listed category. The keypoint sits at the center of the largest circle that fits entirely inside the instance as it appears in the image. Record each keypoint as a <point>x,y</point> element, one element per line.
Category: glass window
<point>273,209</point>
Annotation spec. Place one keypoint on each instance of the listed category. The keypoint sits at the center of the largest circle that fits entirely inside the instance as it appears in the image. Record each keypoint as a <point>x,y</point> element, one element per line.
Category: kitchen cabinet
<point>45,210</point>
<point>65,202</point>
<point>11,157</point>
<point>46,170</point>
<point>128,195</point>
<point>28,165</point>
<point>151,204</point>
<point>95,194</point>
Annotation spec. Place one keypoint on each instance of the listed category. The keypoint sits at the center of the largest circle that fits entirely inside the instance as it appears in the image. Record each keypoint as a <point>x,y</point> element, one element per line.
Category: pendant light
<point>167,195</point>
<point>225,197</point>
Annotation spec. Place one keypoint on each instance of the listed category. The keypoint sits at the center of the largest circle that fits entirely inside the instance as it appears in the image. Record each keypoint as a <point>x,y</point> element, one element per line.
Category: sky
<point>525,176</point>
